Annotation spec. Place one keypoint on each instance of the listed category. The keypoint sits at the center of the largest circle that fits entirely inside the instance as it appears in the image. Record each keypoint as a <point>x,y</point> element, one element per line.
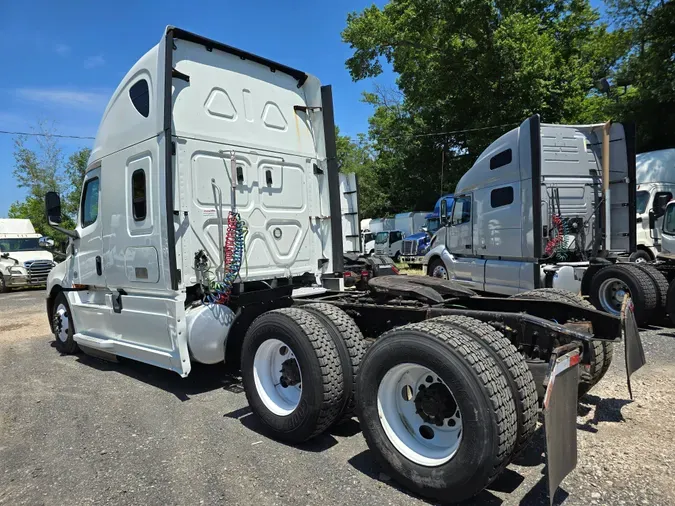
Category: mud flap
<point>560,415</point>
<point>635,354</point>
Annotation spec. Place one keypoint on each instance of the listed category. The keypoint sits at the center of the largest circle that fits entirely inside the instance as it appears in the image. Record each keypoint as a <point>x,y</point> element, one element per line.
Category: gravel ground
<point>77,430</point>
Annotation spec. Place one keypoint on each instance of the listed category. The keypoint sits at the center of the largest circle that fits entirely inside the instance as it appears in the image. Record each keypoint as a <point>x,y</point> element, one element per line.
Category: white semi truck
<point>210,229</point>
<point>24,259</point>
<point>655,174</point>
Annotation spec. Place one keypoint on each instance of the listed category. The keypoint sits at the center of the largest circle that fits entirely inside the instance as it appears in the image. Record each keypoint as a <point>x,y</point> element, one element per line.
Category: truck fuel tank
<point>208,326</point>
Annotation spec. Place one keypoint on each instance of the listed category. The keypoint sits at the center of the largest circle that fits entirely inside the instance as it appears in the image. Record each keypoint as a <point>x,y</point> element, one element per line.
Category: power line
<point>47,135</point>
<point>452,132</point>
<point>431,134</point>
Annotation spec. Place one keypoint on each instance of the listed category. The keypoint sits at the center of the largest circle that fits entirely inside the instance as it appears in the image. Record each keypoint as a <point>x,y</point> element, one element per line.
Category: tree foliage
<point>464,65</point>
<point>40,168</point>
<point>356,156</point>
<point>648,70</point>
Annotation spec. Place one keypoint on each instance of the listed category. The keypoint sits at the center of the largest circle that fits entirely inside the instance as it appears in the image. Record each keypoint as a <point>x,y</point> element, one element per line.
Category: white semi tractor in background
<point>655,174</point>
<point>24,259</point>
<point>209,229</point>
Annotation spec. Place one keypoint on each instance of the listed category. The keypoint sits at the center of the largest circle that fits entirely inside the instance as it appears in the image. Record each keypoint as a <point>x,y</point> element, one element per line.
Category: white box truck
<point>370,227</point>
<point>389,242</point>
<point>24,261</point>
<point>209,218</point>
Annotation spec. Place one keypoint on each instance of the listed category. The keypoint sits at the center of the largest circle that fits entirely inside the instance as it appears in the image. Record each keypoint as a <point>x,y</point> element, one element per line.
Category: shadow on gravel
<point>202,378</point>
<point>538,495</point>
<point>606,410</point>
<point>533,454</point>
<point>347,428</point>
<point>246,417</point>
<point>365,463</point>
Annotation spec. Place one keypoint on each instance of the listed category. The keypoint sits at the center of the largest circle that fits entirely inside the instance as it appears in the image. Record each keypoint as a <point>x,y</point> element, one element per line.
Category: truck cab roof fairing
<point>122,125</point>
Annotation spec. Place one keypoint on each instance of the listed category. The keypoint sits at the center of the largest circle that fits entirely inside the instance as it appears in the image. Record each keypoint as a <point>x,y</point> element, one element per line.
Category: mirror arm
<point>69,233</point>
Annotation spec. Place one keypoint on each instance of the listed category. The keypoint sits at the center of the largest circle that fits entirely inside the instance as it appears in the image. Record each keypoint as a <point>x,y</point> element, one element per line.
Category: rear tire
<point>610,283</point>
<point>62,326</point>
<point>600,352</point>
<point>640,256</point>
<point>435,460</point>
<point>297,397</point>
<point>3,285</point>
<point>514,367</point>
<point>660,282</point>
<point>351,347</point>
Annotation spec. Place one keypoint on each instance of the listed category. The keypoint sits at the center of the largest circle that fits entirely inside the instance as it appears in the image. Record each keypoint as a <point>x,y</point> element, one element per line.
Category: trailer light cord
<point>234,251</point>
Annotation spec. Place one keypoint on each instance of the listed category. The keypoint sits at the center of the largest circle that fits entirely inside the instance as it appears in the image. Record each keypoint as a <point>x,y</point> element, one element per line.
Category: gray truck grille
<point>38,270</point>
<point>410,247</point>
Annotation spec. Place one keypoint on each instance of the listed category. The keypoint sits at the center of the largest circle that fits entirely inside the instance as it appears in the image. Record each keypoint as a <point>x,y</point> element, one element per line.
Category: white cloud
<point>94,61</point>
<point>62,49</point>
<point>85,100</point>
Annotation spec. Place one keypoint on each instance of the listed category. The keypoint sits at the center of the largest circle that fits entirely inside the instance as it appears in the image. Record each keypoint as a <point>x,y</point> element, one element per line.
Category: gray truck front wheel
<point>437,269</point>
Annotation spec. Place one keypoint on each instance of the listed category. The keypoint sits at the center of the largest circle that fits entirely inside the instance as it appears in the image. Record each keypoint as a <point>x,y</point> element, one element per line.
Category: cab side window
<point>89,211</point>
<point>461,211</point>
<point>395,236</point>
<point>139,202</point>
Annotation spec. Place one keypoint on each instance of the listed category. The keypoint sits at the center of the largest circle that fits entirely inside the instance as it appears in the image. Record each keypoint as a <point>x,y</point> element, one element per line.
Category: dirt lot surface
<point>77,430</point>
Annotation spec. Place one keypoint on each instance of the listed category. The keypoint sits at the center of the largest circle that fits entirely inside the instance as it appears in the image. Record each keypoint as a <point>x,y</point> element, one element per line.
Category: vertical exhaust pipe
<point>605,183</point>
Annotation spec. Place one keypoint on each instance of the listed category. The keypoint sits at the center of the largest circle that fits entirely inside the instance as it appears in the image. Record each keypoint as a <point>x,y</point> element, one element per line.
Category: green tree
<point>39,169</point>
<point>464,65</point>
<point>75,170</point>
<point>648,70</point>
<point>357,157</point>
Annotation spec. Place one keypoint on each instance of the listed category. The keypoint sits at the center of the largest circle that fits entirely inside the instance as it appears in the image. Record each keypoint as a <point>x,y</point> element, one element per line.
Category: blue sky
<point>62,60</point>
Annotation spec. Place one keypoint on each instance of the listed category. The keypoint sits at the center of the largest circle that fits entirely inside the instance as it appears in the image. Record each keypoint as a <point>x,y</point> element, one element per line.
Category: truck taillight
<point>395,269</point>
<point>364,273</point>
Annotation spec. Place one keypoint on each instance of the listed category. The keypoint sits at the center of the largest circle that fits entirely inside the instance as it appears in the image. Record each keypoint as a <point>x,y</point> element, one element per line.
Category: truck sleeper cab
<point>544,206</point>
<point>194,130</point>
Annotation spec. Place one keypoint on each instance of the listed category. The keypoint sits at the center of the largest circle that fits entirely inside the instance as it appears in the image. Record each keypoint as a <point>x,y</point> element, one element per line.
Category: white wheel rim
<point>640,260</point>
<point>611,295</point>
<point>412,420</point>
<point>63,323</point>
<point>274,365</point>
<point>440,272</point>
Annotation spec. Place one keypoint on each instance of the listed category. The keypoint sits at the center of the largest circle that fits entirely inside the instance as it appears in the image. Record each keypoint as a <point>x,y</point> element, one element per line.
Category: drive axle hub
<point>435,403</point>
<point>290,373</point>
